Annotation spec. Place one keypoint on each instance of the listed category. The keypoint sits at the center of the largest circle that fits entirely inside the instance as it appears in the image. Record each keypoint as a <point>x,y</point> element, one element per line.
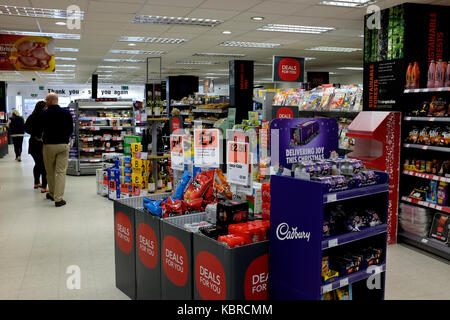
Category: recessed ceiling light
<point>180,68</point>
<point>64,36</point>
<point>197,62</point>
<point>219,55</point>
<point>226,32</point>
<point>66,49</point>
<point>65,59</point>
<point>347,3</point>
<point>132,44</point>
<point>245,44</point>
<point>351,68</point>
<point>295,28</point>
<point>332,72</point>
<point>124,60</point>
<point>258,18</point>
<point>155,52</point>
<point>334,49</point>
<point>153,40</point>
<point>60,23</point>
<point>66,65</point>
<point>176,21</point>
<point>40,12</point>
<point>64,70</point>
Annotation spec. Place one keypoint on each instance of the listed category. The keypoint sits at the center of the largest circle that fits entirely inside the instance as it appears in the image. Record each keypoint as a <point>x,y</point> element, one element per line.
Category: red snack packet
<point>265,212</point>
<point>265,190</point>
<point>194,205</point>
<point>198,187</point>
<point>244,232</point>
<point>172,207</point>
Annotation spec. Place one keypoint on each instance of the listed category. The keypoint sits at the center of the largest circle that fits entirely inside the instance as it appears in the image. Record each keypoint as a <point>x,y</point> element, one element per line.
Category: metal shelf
<point>355,193</point>
<point>426,204</point>
<point>426,176</point>
<point>97,128</point>
<point>430,119</point>
<point>104,118</point>
<point>339,240</point>
<point>423,147</point>
<point>102,139</point>
<point>423,90</point>
<point>209,110</point>
<point>431,245</point>
<point>352,278</point>
<point>158,119</point>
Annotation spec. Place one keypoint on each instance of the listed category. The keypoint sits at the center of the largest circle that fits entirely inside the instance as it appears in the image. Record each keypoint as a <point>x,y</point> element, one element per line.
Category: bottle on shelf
<point>447,75</point>
<point>151,182</point>
<point>431,74</point>
<point>168,180</point>
<point>409,76</point>
<point>440,75</point>
<point>160,179</point>
<point>415,80</point>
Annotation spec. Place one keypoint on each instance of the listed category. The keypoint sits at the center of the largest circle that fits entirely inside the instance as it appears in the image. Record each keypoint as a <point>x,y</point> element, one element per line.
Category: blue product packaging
<point>113,174</point>
<point>432,192</point>
<point>182,185</point>
<point>153,206</point>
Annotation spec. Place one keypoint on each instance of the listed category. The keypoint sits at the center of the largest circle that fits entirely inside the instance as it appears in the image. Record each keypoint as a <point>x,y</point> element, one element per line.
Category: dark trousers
<point>17,141</point>
<point>39,169</point>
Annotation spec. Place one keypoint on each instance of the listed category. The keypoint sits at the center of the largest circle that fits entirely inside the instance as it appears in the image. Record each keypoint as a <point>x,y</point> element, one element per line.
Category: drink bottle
<point>409,76</point>
<point>431,74</point>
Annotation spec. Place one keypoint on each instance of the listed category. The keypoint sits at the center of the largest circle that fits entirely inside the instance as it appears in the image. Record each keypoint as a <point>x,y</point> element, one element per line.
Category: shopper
<point>16,126</point>
<point>56,125</point>
<point>35,147</point>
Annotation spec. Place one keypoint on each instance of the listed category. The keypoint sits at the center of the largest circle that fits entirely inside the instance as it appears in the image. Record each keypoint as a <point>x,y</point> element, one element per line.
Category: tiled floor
<point>38,242</point>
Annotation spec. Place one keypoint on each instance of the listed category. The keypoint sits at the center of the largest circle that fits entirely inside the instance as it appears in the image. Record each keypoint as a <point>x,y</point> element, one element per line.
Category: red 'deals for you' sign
<point>288,69</point>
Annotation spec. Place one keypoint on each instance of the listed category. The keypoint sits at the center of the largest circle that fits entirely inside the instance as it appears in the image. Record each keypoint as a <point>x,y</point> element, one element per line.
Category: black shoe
<point>60,203</point>
<point>49,197</point>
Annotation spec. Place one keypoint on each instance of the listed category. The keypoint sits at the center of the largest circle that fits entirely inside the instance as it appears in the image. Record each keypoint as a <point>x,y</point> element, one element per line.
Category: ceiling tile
<point>160,10</point>
<point>213,14</point>
<point>176,3</point>
<point>108,7</point>
<point>283,8</point>
<point>232,4</point>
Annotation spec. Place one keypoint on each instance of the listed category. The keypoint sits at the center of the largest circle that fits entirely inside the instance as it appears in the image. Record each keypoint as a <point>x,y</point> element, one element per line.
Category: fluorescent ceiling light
<point>66,65</point>
<point>226,32</point>
<point>71,36</point>
<point>245,44</point>
<point>332,72</point>
<point>132,44</point>
<point>334,49</point>
<point>155,52</point>
<point>65,59</point>
<point>219,55</point>
<point>351,68</point>
<point>309,58</point>
<point>64,70</point>
<point>347,3</point>
<point>176,21</point>
<point>295,28</point>
<point>216,74</point>
<point>123,60</point>
<point>152,40</point>
<point>67,49</point>
<point>257,18</point>
<point>180,68</point>
<point>40,12</point>
<point>118,67</point>
<point>60,23</point>
<point>197,62</point>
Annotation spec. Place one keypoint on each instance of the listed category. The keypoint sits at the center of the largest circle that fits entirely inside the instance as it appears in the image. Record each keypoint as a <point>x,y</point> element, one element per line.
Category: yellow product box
<point>136,165</point>
<point>136,179</point>
<point>135,147</point>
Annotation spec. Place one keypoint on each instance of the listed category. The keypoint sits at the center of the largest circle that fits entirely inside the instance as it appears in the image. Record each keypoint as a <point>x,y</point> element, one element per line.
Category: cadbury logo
<point>284,232</point>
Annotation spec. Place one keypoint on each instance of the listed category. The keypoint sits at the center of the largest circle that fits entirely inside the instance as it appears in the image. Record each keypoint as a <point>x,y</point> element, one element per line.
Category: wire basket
<point>138,202</point>
<point>180,221</point>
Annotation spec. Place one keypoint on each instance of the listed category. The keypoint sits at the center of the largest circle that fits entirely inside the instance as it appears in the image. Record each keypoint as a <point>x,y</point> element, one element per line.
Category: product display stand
<point>377,144</point>
<point>3,142</point>
<point>418,115</point>
<point>297,244</point>
<point>154,155</point>
<point>99,129</point>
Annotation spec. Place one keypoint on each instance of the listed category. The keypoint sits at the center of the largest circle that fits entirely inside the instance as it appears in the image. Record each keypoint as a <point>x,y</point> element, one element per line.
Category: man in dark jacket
<point>56,125</point>
<point>17,131</point>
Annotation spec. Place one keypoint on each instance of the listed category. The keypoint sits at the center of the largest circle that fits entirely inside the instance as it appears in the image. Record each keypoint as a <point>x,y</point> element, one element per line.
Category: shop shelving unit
<point>298,206</point>
<point>411,99</point>
<point>79,164</point>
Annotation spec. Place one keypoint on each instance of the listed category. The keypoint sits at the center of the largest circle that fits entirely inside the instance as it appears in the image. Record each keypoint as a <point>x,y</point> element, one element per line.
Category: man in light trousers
<point>56,125</point>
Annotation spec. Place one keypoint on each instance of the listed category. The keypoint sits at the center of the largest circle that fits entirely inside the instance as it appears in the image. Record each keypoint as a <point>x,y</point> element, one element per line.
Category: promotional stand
<point>3,142</point>
<point>297,244</point>
<point>377,144</point>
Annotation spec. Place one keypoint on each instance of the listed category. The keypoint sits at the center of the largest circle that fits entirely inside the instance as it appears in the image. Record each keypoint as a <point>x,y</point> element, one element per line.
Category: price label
<point>206,148</point>
<point>237,163</point>
<point>176,152</point>
<point>112,185</point>
<point>144,155</point>
<point>332,243</point>
<point>327,288</point>
<point>343,282</point>
<point>424,240</point>
<point>332,197</point>
<point>96,128</point>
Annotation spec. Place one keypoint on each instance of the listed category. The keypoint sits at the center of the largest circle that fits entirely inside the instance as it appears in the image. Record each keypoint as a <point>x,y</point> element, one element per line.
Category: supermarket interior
<point>224,150</point>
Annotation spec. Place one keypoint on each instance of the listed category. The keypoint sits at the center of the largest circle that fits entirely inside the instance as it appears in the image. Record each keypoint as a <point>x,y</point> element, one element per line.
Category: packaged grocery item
<point>195,227</point>
<point>413,136</point>
<point>440,227</point>
<point>445,137</point>
<point>232,240</point>
<point>419,193</point>
<point>328,275</point>
<point>432,192</point>
<point>195,205</point>
<point>351,166</point>
<point>232,211</point>
<point>214,232</point>
<point>435,135</point>
<point>424,135</point>
<point>438,108</point>
<point>182,185</point>
<point>372,218</point>
<point>442,193</point>
<point>198,187</point>
<point>153,206</point>
<point>324,167</point>
<point>354,223</point>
